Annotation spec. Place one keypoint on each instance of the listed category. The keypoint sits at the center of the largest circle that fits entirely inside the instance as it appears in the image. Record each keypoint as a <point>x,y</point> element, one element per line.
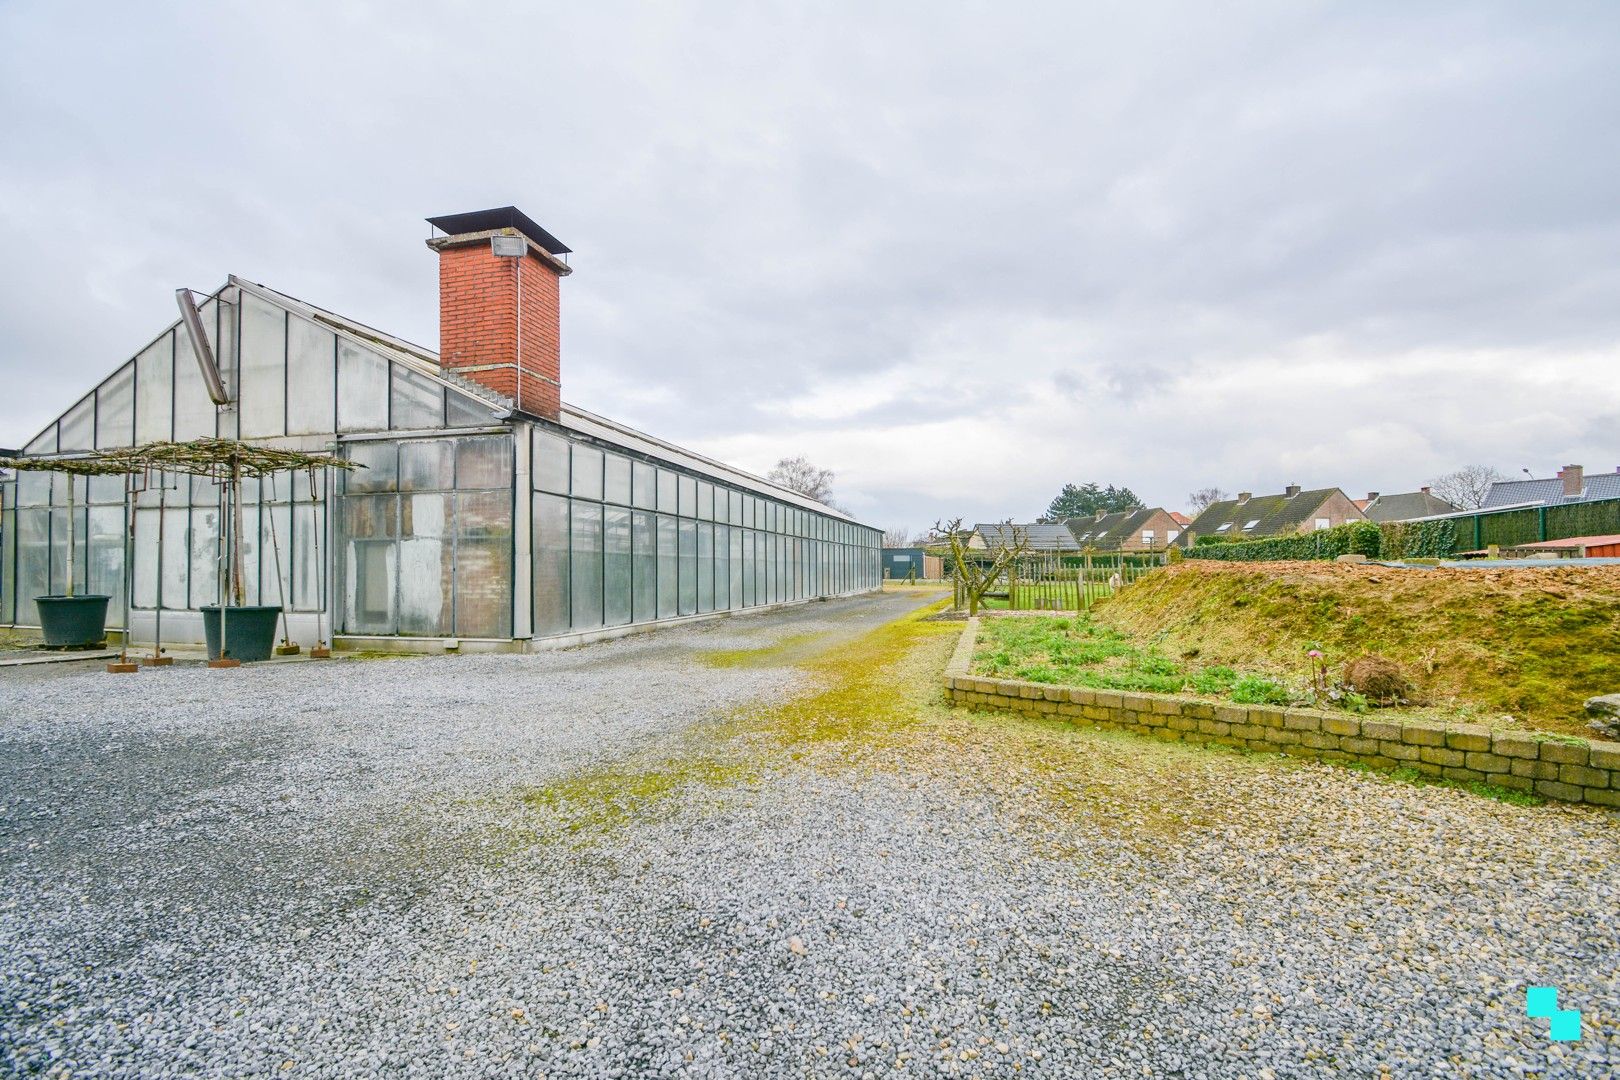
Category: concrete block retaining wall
<point>1569,771</point>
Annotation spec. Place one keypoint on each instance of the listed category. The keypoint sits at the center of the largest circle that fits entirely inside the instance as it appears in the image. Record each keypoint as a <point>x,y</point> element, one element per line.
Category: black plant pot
<point>250,631</point>
<point>68,621</point>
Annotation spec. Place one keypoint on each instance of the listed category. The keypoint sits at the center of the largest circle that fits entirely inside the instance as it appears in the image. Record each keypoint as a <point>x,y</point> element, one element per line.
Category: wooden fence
<point>1051,582</point>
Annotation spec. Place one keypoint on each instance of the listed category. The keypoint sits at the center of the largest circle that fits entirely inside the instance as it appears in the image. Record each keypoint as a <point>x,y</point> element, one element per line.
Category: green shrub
<point>1353,538</point>
<point>1259,690</point>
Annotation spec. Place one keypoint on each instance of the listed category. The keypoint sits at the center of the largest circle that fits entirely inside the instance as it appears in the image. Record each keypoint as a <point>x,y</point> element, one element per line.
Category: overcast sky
<point>958,253</point>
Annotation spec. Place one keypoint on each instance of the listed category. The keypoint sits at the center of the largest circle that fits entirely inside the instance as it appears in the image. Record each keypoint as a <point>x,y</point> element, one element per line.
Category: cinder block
<point>1030,691</point>
<point>1182,723</point>
<point>1381,729</point>
<point>1295,750</point>
<point>1081,696</point>
<point>1341,725</point>
<point>1266,716</point>
<point>1196,737</point>
<point>1214,727</point>
<point>1398,750</point>
<point>1427,768</point>
<point>1517,783</point>
<point>1198,710</point>
<point>1282,738</point>
<point>1463,775</point>
<point>1468,738</point>
<point>1136,702</point>
<point>1166,707</point>
<point>1248,731</point>
<point>1108,699</point>
<point>1482,761</point>
<point>1535,770</point>
<point>1379,761</point>
<point>1565,753</point>
<point>1585,777</point>
<point>1321,740</point>
<point>1055,693</point>
<point>1512,744</point>
<point>1423,735</point>
<point>1604,755</point>
<point>1358,746</point>
<point>1440,755</point>
<point>1232,714</point>
<point>1564,792</point>
<point>1603,796</point>
<point>1301,721</point>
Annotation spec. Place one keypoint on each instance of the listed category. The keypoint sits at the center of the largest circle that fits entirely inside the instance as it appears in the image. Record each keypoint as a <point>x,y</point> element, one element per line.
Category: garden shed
<point>488,512</point>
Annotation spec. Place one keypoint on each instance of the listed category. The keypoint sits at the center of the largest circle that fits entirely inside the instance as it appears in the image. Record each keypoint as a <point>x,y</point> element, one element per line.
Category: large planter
<point>69,621</point>
<point>250,631</point>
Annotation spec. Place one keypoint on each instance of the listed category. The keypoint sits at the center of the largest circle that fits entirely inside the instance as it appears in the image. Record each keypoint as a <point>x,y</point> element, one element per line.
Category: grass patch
<point>1079,651</point>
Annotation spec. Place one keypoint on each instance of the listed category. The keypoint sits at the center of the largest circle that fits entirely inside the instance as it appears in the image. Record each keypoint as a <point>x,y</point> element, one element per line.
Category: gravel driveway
<point>759,847</point>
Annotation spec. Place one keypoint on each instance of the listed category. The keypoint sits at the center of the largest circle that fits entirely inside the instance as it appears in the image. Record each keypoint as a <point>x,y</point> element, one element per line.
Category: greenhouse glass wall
<point>470,520</point>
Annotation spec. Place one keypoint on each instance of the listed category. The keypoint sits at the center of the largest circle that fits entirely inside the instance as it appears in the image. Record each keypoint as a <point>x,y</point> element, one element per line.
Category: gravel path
<point>788,860</point>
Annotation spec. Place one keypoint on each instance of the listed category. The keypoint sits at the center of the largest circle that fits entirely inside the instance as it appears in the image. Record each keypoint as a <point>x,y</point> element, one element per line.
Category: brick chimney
<point>499,313</point>
<point>1244,496</point>
<point>1371,495</point>
<point>1291,490</point>
<point>1574,479</point>
<point>1425,489</point>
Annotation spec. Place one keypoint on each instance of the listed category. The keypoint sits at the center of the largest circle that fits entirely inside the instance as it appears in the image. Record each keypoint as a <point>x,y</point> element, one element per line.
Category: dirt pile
<point>1533,643</point>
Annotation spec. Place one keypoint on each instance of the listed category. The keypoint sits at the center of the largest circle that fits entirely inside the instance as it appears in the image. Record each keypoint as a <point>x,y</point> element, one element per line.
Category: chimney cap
<point>501,217</point>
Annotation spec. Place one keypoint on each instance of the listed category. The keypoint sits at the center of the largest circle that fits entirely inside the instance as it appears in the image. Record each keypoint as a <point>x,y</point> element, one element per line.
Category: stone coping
<point>1555,767</point>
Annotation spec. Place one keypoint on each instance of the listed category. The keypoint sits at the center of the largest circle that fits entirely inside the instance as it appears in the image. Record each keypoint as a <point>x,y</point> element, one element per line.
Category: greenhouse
<point>486,512</point>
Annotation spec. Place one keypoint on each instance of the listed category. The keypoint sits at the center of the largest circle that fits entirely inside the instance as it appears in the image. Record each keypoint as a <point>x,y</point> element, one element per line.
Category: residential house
<point>1041,537</point>
<point>1571,485</point>
<point>1251,517</point>
<point>1406,506</point>
<point>1141,529</point>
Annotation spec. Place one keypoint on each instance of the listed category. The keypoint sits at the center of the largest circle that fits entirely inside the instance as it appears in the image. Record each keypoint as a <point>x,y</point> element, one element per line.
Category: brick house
<point>1141,529</point>
<point>1251,517</point>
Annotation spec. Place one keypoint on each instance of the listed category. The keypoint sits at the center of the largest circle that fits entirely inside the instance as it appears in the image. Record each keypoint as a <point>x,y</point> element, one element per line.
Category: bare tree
<point>976,571</point>
<point>897,538</point>
<point>1198,500</point>
<point>797,474</point>
<point>1467,487</point>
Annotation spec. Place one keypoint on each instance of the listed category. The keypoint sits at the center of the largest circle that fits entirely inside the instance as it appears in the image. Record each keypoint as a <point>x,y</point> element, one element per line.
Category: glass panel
<point>483,566</point>
<point>312,376</point>
<point>587,472</point>
<point>550,463</point>
<point>688,488</point>
<point>616,482</point>
<point>427,465</point>
<point>550,564</point>
<point>256,548</point>
<point>426,562</point>
<point>463,411</point>
<point>309,585</point>
<point>33,561</point>
<point>746,563</point>
<point>379,471</point>
<point>194,411</point>
<point>645,568</point>
<point>146,557</point>
<point>722,566</point>
<point>666,491</point>
<point>176,558</point>
<point>616,565</point>
<point>277,561</point>
<point>484,462</point>
<point>418,402</point>
<point>154,391</point>
<point>8,564</point>
<point>78,426</point>
<point>705,566</point>
<point>688,597</point>
<point>586,562</point>
<point>645,485</point>
<point>667,575</point>
<point>705,500</point>
<point>722,505</point>
<point>262,406</point>
<point>115,409</point>
<point>367,533</point>
<point>44,442</point>
<point>362,388</point>
<point>204,548</point>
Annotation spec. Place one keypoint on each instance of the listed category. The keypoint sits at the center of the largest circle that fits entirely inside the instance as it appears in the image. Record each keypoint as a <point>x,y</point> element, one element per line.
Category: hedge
<point>1355,538</point>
